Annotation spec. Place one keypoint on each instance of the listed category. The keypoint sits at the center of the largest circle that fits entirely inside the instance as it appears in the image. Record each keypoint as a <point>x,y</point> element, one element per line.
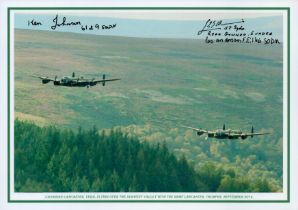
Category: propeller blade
<point>224,127</point>
<point>103,78</point>
<point>252,131</point>
<point>73,74</point>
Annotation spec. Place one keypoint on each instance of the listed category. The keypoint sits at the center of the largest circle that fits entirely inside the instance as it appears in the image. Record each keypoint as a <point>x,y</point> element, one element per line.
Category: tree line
<point>49,159</point>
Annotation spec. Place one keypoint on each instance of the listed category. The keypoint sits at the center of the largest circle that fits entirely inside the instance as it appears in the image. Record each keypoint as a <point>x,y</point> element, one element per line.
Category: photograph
<point>144,104</point>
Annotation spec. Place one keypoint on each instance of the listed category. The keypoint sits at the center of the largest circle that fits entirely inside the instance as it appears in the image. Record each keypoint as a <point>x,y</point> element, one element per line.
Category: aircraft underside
<point>224,136</point>
<point>81,84</point>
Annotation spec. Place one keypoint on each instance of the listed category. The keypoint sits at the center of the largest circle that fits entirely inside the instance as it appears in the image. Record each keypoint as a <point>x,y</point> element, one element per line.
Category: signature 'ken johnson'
<point>63,23</point>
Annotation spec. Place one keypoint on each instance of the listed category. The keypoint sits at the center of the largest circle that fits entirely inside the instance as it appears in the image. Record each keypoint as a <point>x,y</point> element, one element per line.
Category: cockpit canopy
<point>65,79</point>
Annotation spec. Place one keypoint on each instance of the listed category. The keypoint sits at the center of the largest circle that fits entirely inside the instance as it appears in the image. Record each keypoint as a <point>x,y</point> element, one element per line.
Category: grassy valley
<point>164,83</point>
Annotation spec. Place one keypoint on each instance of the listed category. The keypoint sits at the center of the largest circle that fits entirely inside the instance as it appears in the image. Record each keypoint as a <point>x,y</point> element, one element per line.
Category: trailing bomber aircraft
<point>75,81</point>
<point>225,133</point>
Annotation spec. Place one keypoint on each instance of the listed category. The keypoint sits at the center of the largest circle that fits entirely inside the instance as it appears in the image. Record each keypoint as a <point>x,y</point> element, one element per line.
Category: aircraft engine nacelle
<point>199,133</point>
<point>45,81</point>
<point>243,137</point>
<point>92,83</point>
<point>56,82</point>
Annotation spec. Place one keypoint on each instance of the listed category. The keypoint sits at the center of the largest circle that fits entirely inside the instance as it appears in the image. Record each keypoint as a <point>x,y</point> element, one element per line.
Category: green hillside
<point>57,160</point>
<point>164,83</point>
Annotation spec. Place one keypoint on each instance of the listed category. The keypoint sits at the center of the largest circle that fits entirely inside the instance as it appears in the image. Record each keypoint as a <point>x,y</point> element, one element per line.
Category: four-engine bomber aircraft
<point>225,133</point>
<point>75,82</point>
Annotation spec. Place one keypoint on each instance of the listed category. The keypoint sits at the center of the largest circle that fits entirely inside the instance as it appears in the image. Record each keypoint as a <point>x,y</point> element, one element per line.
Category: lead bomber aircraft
<point>75,82</point>
<point>225,133</point>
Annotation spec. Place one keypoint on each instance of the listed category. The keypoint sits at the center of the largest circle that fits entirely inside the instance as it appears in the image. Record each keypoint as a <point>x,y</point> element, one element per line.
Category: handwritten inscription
<point>34,23</point>
<point>97,26</point>
<point>211,25</point>
<point>218,31</point>
<point>61,22</point>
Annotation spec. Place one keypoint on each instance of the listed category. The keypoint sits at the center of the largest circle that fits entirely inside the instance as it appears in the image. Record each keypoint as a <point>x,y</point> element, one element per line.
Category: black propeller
<point>252,131</point>
<point>73,74</point>
<point>103,78</point>
<point>224,127</point>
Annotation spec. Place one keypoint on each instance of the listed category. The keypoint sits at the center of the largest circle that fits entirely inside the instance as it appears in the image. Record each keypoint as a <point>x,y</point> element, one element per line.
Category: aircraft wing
<point>235,135</point>
<point>246,134</point>
<point>105,80</point>
<point>196,129</point>
<point>259,134</point>
<point>43,78</point>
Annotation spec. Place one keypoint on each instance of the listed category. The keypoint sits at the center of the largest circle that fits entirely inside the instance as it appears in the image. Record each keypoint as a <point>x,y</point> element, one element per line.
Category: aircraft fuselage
<point>225,134</point>
<point>75,84</point>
